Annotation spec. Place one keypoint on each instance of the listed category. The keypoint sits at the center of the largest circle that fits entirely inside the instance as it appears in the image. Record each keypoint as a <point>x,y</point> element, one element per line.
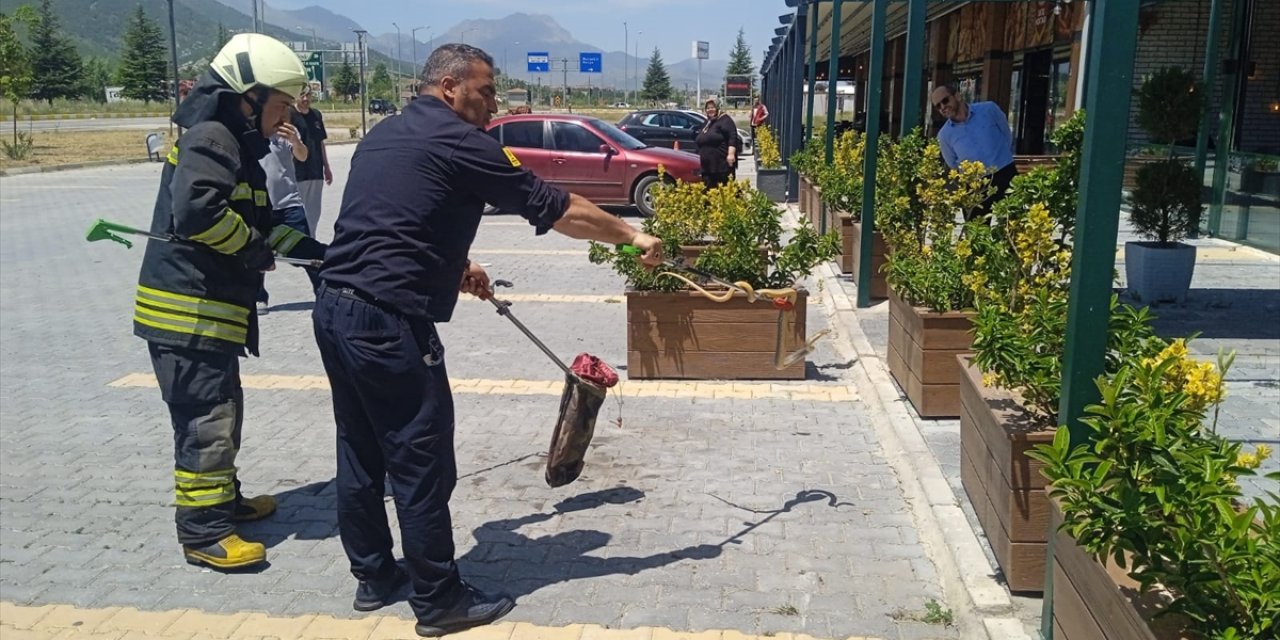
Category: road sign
<point>737,86</point>
<point>701,49</point>
<point>315,67</point>
<point>589,62</point>
<point>539,62</point>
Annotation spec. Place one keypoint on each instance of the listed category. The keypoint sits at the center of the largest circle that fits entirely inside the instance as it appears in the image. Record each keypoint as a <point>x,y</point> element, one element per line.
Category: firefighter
<point>195,299</point>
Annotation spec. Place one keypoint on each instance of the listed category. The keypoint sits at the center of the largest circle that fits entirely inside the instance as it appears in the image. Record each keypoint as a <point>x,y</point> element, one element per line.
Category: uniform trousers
<point>394,414</point>
<point>206,407</point>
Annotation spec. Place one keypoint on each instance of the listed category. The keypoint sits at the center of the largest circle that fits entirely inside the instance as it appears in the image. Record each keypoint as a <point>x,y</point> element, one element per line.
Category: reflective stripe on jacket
<point>199,294</point>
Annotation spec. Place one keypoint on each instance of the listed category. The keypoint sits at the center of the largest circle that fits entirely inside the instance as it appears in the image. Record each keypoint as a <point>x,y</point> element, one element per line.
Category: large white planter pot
<point>1157,272</point>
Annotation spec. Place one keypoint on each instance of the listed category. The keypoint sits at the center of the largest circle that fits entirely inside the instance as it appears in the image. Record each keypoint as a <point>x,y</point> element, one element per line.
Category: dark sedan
<point>671,128</point>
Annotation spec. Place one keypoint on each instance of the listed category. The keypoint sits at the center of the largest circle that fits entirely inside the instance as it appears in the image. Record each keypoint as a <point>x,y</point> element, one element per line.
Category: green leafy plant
<point>1165,201</point>
<point>841,181</point>
<point>918,199</point>
<point>935,613</point>
<point>21,146</point>
<point>768,155</point>
<point>739,230</point>
<point>1156,491</point>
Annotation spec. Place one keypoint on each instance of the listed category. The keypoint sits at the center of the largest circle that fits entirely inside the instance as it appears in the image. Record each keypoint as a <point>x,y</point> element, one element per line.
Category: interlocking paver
<point>688,505</point>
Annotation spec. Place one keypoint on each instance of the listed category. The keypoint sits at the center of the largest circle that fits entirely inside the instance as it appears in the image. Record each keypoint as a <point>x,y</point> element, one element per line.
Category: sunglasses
<point>942,103</point>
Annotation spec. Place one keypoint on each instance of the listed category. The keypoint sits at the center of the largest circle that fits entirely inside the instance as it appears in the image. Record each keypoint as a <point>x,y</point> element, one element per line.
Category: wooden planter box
<point>1092,601</point>
<point>1004,485</point>
<point>923,346</point>
<point>1025,164</point>
<point>685,335</point>
<point>851,254</point>
<point>806,196</point>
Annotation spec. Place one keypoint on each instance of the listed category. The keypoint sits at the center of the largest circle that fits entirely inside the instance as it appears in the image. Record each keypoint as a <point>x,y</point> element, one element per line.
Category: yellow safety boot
<point>230,552</point>
<point>255,508</point>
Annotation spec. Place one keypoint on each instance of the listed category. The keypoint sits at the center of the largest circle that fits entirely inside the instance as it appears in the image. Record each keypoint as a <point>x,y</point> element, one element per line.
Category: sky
<point>671,25</point>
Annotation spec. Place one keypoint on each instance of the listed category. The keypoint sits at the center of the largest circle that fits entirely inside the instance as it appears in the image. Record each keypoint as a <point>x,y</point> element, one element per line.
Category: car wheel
<point>644,193</point>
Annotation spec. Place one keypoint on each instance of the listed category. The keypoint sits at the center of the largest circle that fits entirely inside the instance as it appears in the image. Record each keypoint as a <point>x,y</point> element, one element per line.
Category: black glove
<point>256,254</point>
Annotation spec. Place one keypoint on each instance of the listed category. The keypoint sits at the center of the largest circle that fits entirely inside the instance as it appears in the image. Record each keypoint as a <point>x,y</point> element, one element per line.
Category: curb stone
<point>949,540</point>
<point>18,171</point>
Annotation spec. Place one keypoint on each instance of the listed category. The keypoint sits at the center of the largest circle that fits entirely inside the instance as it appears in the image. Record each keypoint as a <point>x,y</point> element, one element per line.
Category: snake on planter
<point>784,300</point>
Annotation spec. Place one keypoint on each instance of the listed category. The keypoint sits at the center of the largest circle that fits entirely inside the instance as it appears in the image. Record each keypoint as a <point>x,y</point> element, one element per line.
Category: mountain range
<point>98,30</point>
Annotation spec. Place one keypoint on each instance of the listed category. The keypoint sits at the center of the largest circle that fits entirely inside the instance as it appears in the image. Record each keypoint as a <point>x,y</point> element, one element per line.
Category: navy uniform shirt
<point>414,198</point>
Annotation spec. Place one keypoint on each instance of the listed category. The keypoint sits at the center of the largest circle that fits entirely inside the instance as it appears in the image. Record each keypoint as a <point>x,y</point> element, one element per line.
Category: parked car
<point>591,157</point>
<point>667,127</point>
<point>382,107</point>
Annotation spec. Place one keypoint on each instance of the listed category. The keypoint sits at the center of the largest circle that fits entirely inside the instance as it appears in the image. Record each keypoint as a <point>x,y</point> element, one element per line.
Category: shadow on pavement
<point>508,561</point>
<point>308,512</point>
<point>1246,314</point>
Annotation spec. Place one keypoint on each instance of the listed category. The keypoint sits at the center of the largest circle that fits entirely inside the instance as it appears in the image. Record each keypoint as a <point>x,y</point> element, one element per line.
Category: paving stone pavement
<point>760,515</point>
<point>1233,306</point>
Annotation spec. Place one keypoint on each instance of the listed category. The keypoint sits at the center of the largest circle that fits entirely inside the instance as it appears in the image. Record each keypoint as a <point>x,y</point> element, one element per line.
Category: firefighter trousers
<point>394,414</point>
<point>206,407</point>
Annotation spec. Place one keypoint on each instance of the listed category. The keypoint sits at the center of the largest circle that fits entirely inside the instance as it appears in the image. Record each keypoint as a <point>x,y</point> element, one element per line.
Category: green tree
<point>346,82</point>
<point>740,61</point>
<point>657,82</point>
<point>15,69</point>
<point>380,83</point>
<point>142,68</point>
<point>98,73</point>
<point>222,38</point>
<point>55,65</point>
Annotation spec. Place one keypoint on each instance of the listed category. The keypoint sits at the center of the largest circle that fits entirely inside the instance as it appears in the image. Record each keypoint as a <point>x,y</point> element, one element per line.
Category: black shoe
<point>372,595</point>
<point>473,609</point>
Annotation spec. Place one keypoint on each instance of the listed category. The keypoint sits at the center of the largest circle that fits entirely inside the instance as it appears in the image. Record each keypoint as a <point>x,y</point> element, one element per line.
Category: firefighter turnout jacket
<point>200,294</point>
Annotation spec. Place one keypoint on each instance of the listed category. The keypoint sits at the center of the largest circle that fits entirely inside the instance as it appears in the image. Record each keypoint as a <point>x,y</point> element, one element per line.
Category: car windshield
<point>616,135</point>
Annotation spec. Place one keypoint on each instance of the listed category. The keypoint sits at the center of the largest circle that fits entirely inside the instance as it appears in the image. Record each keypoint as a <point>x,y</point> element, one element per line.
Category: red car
<point>591,157</point>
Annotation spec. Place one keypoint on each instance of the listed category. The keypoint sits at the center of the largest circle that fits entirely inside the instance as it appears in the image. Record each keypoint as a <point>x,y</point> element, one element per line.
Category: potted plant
<point>1261,175</point>
<point>841,189</point>
<point>918,199</point>
<point>808,161</point>
<point>674,331</point>
<point>1153,533</point>
<point>1165,202</point>
<point>771,176</point>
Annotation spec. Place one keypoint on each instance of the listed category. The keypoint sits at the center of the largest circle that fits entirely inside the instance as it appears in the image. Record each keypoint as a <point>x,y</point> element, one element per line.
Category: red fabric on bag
<point>594,370</point>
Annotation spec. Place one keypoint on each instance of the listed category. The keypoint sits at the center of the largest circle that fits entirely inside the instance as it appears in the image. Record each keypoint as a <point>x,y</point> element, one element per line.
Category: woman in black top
<point>718,146</point>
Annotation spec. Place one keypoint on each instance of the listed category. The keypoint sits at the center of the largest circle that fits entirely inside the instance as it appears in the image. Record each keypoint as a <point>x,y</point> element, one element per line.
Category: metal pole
<point>1093,257</point>
<point>636,75</point>
<point>626,73</point>
<point>173,55</point>
<point>797,95</point>
<point>1209,78</point>
<point>397,82</point>
<point>911,104</point>
<point>255,15</point>
<point>813,71</point>
<point>833,72</point>
<point>364,106</point>
<point>1226,122</point>
<point>875,85</point>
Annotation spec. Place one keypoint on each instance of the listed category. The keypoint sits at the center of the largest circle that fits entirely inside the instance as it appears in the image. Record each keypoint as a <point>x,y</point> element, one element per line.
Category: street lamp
<point>364,108</point>
<point>413,35</point>
<point>397,98</point>
<point>315,41</point>
<point>626,74</point>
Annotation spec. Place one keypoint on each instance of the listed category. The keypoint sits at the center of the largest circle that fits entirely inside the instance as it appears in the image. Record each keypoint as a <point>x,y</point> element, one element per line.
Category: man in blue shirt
<point>977,132</point>
<point>418,184</point>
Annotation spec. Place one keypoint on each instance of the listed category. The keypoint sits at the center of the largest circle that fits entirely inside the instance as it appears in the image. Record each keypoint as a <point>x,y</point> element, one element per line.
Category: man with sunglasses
<point>977,132</point>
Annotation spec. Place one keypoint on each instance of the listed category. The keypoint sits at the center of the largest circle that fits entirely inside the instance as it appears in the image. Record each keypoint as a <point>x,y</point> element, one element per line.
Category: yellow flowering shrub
<point>768,156</point>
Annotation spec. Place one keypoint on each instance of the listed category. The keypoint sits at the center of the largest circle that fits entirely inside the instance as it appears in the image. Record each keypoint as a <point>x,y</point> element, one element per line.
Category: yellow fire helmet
<point>251,60</point>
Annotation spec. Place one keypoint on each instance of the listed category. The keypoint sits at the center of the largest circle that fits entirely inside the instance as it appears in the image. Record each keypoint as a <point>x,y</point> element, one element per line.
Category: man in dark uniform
<point>194,304</point>
<point>412,205</point>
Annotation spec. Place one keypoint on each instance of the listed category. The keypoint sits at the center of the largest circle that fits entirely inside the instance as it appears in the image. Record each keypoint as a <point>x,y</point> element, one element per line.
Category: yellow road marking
<point>798,391</point>
<point>67,622</point>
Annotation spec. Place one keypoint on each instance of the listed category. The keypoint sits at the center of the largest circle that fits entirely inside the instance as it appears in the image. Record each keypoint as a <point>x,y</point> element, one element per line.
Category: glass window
<point>653,120</point>
<point>496,133</point>
<point>616,136</point>
<point>571,136</point>
<point>526,135</point>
